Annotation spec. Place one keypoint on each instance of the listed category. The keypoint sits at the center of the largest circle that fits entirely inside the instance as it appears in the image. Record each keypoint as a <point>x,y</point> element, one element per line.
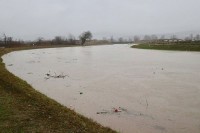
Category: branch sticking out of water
<point>55,76</point>
<point>147,104</point>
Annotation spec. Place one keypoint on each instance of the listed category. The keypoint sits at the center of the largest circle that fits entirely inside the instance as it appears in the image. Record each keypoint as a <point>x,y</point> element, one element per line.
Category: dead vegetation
<point>49,75</point>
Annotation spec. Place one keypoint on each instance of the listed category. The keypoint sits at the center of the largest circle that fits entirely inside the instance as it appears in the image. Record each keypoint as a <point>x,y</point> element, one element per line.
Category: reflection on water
<point>130,90</point>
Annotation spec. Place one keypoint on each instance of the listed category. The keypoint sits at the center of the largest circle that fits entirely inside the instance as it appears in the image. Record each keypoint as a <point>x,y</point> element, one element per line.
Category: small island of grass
<point>179,46</point>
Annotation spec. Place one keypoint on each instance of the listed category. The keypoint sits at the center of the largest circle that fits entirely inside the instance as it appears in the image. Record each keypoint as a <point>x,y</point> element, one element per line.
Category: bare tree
<point>85,36</point>
<point>58,40</point>
<point>71,39</point>
<point>9,40</point>
<point>39,40</point>
<point>5,38</point>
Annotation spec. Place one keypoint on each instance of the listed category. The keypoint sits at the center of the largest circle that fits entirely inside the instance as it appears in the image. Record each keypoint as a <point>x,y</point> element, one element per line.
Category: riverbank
<point>177,47</point>
<point>23,109</point>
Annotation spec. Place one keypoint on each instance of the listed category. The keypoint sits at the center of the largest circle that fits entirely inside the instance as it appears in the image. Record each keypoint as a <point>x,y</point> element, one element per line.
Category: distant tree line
<point>173,38</point>
<point>154,39</point>
<point>57,40</point>
<point>7,41</point>
<point>85,38</point>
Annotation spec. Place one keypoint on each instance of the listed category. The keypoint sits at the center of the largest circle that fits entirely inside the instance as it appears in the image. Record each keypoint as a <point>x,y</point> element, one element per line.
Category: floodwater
<point>129,90</point>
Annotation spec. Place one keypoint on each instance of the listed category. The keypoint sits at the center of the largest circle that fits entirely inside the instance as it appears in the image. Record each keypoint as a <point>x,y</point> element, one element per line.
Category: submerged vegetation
<point>181,46</point>
<point>23,109</point>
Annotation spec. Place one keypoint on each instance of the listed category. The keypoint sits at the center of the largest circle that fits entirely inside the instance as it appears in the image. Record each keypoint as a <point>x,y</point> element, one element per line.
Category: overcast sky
<point>30,19</point>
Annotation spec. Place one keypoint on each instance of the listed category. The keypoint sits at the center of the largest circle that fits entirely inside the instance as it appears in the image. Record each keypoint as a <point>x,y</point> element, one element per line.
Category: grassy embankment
<point>176,46</point>
<point>22,109</point>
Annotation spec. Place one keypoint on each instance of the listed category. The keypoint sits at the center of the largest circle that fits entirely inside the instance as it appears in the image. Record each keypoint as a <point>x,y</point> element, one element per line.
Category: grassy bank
<point>22,109</point>
<point>179,47</point>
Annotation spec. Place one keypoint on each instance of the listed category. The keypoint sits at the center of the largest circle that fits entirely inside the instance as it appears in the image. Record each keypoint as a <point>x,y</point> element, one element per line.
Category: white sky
<point>30,19</point>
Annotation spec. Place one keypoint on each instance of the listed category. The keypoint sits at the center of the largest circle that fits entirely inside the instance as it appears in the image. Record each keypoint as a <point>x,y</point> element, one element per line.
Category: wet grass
<point>178,47</point>
<point>23,109</point>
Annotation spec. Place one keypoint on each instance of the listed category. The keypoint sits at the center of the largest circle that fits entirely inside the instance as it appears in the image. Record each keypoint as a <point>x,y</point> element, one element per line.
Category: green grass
<point>23,109</point>
<point>178,47</point>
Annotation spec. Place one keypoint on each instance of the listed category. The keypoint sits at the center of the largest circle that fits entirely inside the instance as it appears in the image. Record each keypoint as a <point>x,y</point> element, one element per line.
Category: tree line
<point>153,37</point>
<point>7,41</point>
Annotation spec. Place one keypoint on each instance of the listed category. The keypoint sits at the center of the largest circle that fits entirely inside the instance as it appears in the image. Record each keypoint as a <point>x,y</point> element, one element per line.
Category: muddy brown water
<point>129,90</point>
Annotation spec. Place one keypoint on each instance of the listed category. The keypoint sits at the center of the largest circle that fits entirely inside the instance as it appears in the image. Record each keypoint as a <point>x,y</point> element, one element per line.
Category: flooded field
<point>129,90</point>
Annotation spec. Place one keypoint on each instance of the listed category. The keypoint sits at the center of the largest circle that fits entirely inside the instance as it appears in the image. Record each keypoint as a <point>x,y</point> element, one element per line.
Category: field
<point>175,46</point>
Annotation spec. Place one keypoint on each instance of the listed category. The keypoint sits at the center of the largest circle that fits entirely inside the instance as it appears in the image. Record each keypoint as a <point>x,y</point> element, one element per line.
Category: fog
<point>29,19</point>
